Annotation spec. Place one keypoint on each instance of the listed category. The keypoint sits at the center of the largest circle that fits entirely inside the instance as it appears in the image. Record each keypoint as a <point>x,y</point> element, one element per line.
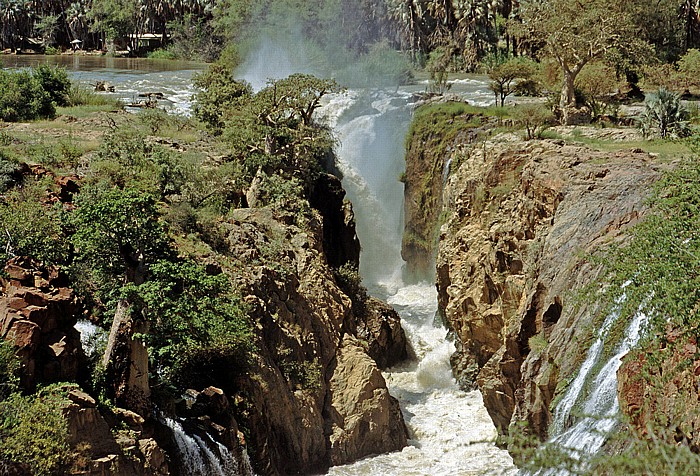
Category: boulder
<point>365,418</point>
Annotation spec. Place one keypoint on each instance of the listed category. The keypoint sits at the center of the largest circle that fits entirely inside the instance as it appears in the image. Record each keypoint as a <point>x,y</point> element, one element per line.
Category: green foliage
<point>438,66</point>
<point>54,81</point>
<point>162,54</point>
<point>220,92</point>
<point>33,430</point>
<point>657,453</point>
<point>664,115</point>
<point>118,235</point>
<point>9,365</point>
<point>661,257</point>
<point>193,38</point>
<point>80,96</point>
<point>9,173</point>
<point>534,117</point>
<point>29,227</point>
<point>506,76</point>
<point>22,98</point>
<point>689,68</point>
<point>350,281</point>
<point>192,313</point>
<point>304,373</point>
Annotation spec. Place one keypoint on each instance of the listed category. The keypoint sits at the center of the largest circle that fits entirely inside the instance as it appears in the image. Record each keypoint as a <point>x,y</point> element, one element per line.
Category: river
<point>451,432</point>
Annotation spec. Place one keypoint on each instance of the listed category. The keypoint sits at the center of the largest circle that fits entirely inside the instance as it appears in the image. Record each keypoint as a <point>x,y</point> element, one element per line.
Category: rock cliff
<point>316,397</point>
<point>521,218</point>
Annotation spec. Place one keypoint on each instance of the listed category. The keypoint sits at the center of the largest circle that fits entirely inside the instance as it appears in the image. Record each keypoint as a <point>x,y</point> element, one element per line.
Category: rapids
<point>450,431</point>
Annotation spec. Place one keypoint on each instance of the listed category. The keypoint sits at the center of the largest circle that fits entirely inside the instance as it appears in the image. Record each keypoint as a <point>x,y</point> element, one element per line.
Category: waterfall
<point>450,431</point>
<point>594,395</point>
<point>197,457</point>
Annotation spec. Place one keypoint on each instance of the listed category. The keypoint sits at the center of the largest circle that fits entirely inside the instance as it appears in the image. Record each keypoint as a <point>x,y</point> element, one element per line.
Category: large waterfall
<point>450,432</point>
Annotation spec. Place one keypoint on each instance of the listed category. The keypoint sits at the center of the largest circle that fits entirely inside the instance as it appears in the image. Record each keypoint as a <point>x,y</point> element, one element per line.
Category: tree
<point>597,83</point>
<point>118,236</point>
<point>576,33</point>
<point>506,75</point>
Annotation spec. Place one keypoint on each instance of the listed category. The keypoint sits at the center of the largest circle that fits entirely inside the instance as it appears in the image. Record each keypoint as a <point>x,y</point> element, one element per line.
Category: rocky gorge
<point>310,396</point>
<point>513,225</point>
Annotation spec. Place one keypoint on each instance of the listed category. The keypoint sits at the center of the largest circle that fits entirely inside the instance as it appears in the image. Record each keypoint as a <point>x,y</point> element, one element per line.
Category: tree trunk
<point>567,100</point>
<point>126,361</point>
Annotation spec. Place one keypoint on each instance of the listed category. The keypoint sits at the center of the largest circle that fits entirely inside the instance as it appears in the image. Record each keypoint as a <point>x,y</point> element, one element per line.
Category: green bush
<point>534,117</point>
<point>192,313</point>
<point>664,115</point>
<point>31,228</point>
<point>22,98</point>
<point>33,430</point>
<point>9,365</point>
<point>54,81</point>
<point>8,173</point>
<point>162,54</point>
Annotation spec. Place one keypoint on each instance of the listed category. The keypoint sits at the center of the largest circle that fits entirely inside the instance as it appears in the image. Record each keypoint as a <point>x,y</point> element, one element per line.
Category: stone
<point>367,419</point>
<point>522,216</point>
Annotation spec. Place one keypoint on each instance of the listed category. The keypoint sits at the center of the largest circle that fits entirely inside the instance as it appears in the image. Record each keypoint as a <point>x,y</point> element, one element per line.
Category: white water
<point>450,431</point>
<point>197,456</point>
<point>594,396</point>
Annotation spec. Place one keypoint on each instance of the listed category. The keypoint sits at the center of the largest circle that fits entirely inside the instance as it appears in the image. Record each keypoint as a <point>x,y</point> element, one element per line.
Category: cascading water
<point>594,396</point>
<point>450,431</point>
<point>199,458</point>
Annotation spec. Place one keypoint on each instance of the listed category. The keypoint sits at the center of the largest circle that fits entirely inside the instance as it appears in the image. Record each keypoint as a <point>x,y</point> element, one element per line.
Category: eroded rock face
<point>96,449</point>
<point>312,396</point>
<point>37,314</point>
<point>523,218</point>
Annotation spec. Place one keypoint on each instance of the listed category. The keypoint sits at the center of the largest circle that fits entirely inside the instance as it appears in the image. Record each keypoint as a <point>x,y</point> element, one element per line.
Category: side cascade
<point>201,458</point>
<point>588,412</point>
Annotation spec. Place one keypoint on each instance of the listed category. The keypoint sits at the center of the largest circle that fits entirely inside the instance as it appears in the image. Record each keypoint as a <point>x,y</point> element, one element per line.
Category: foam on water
<point>450,430</point>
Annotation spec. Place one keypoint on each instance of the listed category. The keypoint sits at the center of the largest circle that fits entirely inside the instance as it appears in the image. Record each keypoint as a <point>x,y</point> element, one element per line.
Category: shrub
<point>33,430</point>
<point>534,117</point>
<point>9,365</point>
<point>664,115</point>
<point>689,68</point>
<point>22,98</point>
<point>30,228</point>
<point>162,54</point>
<point>9,173</point>
<point>54,81</point>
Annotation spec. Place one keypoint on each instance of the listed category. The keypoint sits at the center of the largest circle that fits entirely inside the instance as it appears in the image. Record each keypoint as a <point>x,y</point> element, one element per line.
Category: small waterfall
<point>93,338</point>
<point>599,407</point>
<point>197,457</point>
<point>446,171</point>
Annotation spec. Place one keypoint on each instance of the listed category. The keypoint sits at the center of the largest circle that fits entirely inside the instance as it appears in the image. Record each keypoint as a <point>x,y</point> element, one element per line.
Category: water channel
<point>450,431</point>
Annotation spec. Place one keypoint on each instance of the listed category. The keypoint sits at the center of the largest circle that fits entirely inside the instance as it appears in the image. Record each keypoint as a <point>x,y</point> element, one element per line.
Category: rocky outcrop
<point>99,452</point>
<point>364,418</point>
<point>659,387</point>
<point>436,136</point>
<point>523,217</point>
<point>37,314</point>
<point>312,396</point>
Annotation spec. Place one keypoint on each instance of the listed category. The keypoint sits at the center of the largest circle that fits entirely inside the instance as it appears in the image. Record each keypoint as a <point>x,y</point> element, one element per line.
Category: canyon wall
<point>520,222</point>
